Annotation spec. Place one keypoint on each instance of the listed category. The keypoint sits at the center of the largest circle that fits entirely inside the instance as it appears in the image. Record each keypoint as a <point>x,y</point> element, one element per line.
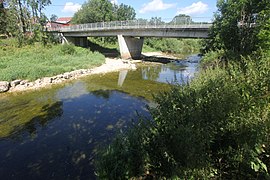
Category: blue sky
<point>166,9</point>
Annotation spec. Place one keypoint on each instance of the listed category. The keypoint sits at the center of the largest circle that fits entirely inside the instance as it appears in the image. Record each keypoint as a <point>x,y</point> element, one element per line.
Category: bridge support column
<point>130,47</point>
<point>77,41</point>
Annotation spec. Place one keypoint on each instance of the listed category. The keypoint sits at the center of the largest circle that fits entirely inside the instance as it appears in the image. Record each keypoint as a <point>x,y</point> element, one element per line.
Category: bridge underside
<point>130,46</point>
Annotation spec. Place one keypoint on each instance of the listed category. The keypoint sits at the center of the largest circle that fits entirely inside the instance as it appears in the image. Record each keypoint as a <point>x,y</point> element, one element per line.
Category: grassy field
<point>36,61</point>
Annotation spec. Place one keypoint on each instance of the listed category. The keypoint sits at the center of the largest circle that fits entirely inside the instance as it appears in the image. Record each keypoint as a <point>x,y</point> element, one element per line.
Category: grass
<point>36,61</point>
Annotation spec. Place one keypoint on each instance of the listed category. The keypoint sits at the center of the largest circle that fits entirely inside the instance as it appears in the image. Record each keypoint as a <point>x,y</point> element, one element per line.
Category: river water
<point>55,133</point>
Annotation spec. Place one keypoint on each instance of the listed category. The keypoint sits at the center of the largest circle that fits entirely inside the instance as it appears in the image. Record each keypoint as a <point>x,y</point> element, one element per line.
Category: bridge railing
<point>136,24</point>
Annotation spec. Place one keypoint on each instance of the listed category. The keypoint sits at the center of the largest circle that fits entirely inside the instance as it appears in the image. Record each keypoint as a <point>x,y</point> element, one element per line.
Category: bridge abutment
<point>130,47</point>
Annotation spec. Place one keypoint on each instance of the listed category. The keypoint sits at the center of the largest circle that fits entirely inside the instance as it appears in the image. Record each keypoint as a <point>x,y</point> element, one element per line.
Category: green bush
<point>212,59</point>
<point>174,46</point>
<point>218,126</point>
<point>68,49</point>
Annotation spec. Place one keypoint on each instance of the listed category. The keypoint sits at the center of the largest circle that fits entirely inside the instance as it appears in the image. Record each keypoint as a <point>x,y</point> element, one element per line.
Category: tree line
<point>23,19</point>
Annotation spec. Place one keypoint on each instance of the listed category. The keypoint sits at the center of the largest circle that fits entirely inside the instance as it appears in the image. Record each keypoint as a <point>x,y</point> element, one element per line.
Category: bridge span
<point>131,33</point>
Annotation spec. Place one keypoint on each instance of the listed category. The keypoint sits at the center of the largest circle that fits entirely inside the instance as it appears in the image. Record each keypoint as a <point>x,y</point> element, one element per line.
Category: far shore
<point>110,65</point>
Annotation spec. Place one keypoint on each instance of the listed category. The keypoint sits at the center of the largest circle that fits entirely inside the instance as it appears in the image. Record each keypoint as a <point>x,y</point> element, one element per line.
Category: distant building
<point>60,22</point>
<point>64,20</point>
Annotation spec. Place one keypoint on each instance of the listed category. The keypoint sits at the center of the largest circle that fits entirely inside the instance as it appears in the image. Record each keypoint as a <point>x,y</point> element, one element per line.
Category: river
<point>55,133</point>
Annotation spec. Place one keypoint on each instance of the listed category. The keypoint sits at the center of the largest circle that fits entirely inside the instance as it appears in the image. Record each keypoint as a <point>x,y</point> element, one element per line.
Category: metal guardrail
<point>133,24</point>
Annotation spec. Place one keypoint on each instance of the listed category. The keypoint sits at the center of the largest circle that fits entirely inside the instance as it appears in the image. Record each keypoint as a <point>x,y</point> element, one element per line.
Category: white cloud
<point>114,2</point>
<point>195,8</point>
<point>155,5</point>
<point>71,7</point>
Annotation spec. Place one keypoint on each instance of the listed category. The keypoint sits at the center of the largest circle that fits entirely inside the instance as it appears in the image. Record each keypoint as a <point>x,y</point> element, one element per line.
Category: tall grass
<point>36,61</point>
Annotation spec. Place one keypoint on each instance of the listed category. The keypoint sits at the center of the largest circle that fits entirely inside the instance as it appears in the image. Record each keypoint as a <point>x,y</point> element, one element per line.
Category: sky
<point>199,10</point>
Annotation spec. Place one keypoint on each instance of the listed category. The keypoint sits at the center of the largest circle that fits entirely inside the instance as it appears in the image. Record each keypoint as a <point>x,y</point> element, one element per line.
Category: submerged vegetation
<point>33,62</point>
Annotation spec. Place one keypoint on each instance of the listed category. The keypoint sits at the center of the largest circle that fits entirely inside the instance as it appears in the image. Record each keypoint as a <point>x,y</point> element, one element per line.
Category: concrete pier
<point>130,47</point>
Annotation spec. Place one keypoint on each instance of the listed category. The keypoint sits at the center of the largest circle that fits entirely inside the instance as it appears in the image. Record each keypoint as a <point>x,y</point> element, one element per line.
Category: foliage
<point>102,11</point>
<point>264,33</point>
<point>25,20</point>
<point>181,19</point>
<point>3,22</point>
<point>68,49</point>
<point>124,12</point>
<point>53,17</point>
<point>175,46</point>
<point>33,62</point>
<point>237,25</point>
<point>212,59</point>
<point>209,128</point>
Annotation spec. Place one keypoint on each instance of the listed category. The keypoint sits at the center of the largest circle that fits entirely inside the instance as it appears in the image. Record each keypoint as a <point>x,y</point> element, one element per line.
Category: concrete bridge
<point>131,33</point>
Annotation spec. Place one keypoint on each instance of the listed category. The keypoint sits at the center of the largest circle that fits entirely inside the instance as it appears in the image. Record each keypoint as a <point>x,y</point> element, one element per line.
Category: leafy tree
<point>102,11</point>
<point>156,21</point>
<point>181,19</point>
<point>53,17</point>
<point>25,20</point>
<point>94,11</point>
<point>264,32</point>
<point>3,22</point>
<point>125,12</point>
<point>237,25</point>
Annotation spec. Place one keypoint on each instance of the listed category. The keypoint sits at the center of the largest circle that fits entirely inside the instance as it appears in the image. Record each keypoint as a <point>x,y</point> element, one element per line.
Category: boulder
<point>23,82</point>
<point>15,83</point>
<point>4,86</point>
<point>47,80</point>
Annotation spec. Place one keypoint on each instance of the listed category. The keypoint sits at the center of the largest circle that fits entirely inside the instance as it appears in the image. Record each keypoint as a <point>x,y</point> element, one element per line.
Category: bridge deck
<point>137,28</point>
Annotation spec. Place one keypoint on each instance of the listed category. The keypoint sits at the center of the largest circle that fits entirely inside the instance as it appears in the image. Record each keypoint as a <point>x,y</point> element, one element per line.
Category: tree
<point>237,25</point>
<point>181,19</point>
<point>102,11</point>
<point>264,32</point>
<point>94,11</point>
<point>125,12</point>
<point>53,17</point>
<point>156,21</point>
<point>26,17</point>
<point>3,23</point>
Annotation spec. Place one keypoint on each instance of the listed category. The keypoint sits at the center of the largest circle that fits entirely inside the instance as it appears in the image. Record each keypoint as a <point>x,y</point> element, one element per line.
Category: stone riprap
<point>4,86</point>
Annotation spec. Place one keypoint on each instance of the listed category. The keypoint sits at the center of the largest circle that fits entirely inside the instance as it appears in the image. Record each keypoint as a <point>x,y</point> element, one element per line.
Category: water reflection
<point>54,134</point>
<point>67,135</point>
<point>177,72</point>
<point>122,77</point>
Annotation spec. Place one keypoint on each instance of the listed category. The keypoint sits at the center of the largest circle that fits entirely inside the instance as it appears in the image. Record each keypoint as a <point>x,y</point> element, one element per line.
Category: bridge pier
<point>130,47</point>
<point>77,41</point>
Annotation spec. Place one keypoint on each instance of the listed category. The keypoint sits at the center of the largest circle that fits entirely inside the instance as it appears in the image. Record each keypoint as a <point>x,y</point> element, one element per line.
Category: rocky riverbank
<point>110,65</point>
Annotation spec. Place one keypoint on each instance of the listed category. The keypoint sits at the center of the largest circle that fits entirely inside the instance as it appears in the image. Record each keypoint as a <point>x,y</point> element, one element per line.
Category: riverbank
<point>110,65</point>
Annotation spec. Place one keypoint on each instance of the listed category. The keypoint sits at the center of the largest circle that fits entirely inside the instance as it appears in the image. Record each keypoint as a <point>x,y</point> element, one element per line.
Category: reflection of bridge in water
<point>131,33</point>
<point>175,72</point>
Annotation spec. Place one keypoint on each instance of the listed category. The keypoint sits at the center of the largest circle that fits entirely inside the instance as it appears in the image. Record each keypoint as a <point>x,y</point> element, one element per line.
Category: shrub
<point>215,127</point>
<point>68,49</point>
